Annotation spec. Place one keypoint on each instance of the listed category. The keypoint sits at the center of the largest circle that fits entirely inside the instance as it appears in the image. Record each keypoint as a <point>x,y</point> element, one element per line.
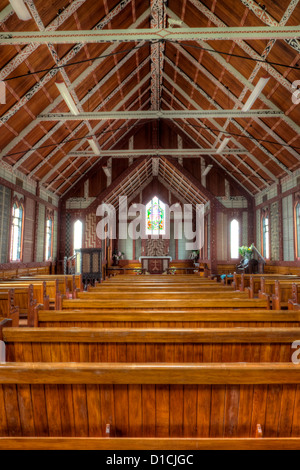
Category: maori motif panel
<point>155,247</point>
<point>90,231</point>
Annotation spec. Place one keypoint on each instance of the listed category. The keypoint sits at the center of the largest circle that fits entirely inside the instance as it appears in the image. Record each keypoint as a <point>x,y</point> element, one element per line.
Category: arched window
<point>77,238</point>
<point>297,228</point>
<point>234,239</point>
<point>265,223</point>
<point>49,236</point>
<point>155,217</point>
<point>16,231</point>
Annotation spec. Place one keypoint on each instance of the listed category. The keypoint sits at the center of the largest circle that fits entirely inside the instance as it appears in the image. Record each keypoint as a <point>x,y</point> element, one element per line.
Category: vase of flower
<point>246,251</point>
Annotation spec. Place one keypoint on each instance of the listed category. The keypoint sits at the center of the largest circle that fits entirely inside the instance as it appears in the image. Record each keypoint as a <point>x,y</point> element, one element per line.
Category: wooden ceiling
<point>177,69</point>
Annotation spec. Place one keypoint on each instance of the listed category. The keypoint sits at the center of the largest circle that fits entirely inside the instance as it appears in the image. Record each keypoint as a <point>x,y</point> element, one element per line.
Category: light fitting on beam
<point>20,9</point>
<point>93,146</point>
<point>66,95</point>
<point>255,93</point>
<point>223,145</point>
<point>172,22</point>
<point>207,170</point>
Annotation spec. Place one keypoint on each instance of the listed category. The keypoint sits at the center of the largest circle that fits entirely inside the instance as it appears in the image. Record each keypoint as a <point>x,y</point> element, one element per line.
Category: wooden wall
<point>33,247</point>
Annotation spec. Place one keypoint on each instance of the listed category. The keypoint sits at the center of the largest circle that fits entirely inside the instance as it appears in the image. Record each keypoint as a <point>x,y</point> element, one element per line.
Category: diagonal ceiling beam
<point>245,46</point>
<point>234,167</point>
<point>95,130</point>
<point>233,71</point>
<point>266,18</point>
<point>220,128</point>
<point>237,101</point>
<point>65,60</point>
<point>219,165</point>
<point>120,104</point>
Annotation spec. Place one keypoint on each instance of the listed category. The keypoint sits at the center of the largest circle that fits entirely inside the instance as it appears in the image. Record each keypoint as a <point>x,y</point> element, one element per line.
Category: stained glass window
<point>16,232</point>
<point>155,217</point>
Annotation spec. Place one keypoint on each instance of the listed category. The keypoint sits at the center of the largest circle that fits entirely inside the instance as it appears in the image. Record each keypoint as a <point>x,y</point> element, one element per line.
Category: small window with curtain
<point>297,226</point>
<point>17,221</point>
<point>49,236</point>
<point>265,225</point>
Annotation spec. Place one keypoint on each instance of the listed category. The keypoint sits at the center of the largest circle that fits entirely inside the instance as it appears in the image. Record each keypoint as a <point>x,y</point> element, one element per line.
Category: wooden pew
<point>26,302</point>
<point>150,304</point>
<point>53,291</point>
<point>184,318</point>
<point>280,292</point>
<point>74,281</point>
<point>8,308</point>
<point>169,295</point>
<point>38,287</point>
<point>142,401</point>
<point>241,281</point>
<point>151,345</point>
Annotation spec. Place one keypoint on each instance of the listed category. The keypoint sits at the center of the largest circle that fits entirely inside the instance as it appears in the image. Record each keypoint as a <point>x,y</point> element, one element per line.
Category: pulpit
<point>90,262</point>
<point>155,264</point>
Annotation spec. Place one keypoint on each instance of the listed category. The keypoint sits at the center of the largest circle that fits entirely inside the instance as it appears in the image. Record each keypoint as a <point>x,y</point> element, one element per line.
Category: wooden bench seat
<point>168,345</point>
<point>165,303</point>
<point>241,281</point>
<point>280,292</point>
<point>46,292</point>
<point>153,295</point>
<point>149,400</point>
<point>141,318</point>
<point>74,281</point>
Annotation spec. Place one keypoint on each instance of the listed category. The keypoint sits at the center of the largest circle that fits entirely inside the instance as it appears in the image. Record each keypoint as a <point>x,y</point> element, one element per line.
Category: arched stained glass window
<point>297,225</point>
<point>16,231</point>
<point>155,217</point>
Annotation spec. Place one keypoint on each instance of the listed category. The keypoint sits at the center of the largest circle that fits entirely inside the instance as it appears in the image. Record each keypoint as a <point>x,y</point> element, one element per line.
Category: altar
<point>155,264</point>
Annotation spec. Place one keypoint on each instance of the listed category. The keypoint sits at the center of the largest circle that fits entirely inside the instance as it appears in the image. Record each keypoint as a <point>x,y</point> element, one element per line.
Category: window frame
<point>49,216</point>
<point>232,219</point>
<point>265,214</point>
<point>18,203</point>
<point>297,228</point>
<point>160,233</point>
<point>75,220</point>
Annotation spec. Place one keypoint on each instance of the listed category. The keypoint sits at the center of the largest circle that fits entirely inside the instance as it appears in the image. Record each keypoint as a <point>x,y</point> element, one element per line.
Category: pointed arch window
<point>17,222</point>
<point>78,235</point>
<point>297,227</point>
<point>234,239</point>
<point>155,217</point>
